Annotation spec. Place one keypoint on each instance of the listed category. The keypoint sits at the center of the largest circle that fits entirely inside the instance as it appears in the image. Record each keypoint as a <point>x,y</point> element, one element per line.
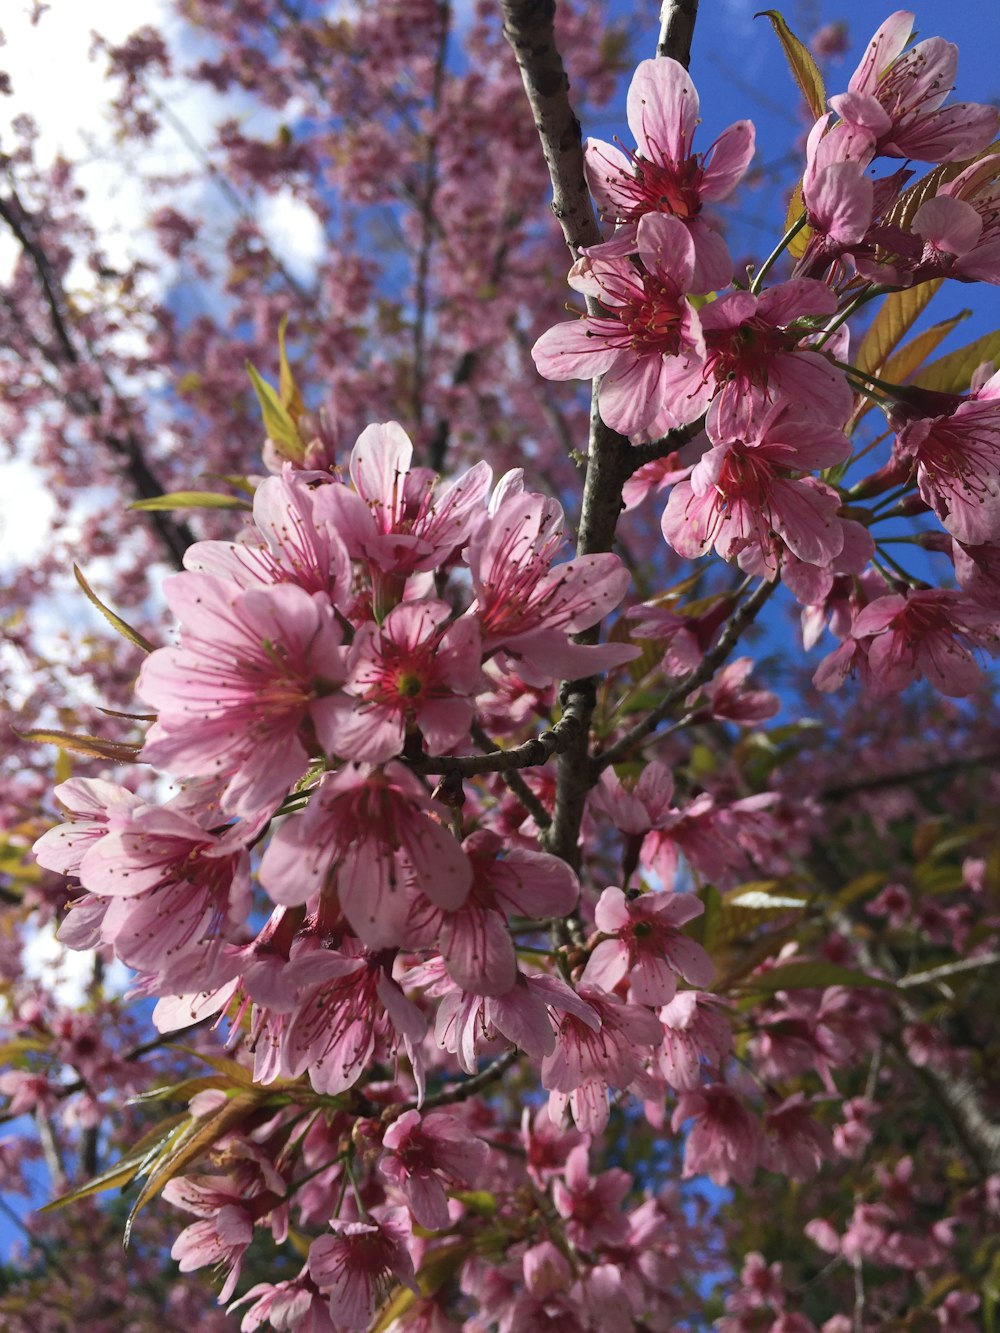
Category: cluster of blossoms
<point>754,379</point>
<point>383,944</point>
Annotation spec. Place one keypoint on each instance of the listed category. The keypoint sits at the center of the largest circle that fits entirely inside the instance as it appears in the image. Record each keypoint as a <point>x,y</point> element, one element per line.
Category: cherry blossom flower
<point>253,667</point>
<point>401,519</point>
<point>293,540</point>
<point>724,1141</point>
<point>295,1306</point>
<point>960,227</point>
<point>527,608</point>
<point>755,358</point>
<point>927,633</point>
<point>694,1030</point>
<point>473,940</point>
<point>591,1205</point>
<point>647,945</point>
<point>586,1062</point>
<point>347,1002</point>
<point>795,1143</point>
<point>896,95</point>
<point>94,807</point>
<point>359,1263</point>
<point>421,1153</point>
<point>369,834</point>
<point>663,175</point>
<point>414,671</point>
<point>743,499</point>
<point>649,348</point>
<point>957,459</point>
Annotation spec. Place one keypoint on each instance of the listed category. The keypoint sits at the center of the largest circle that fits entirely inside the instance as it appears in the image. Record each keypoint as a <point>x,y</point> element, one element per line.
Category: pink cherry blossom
<point>744,499</point>
<point>795,1143</point>
<point>957,459</point>
<point>663,175</point>
<point>695,1029</point>
<point>359,1263</point>
<point>347,1003</point>
<point>896,95</point>
<point>529,609</point>
<point>401,519</point>
<point>960,226</point>
<point>293,540</point>
<point>586,1062</point>
<point>724,1141</point>
<point>928,633</point>
<point>413,672</point>
<point>422,1153</point>
<point>94,807</point>
<point>368,834</point>
<point>756,360</point>
<point>649,348</point>
<point>647,945</point>
<point>252,668</point>
<point>592,1206</point>
<point>295,1306</point>
<point>474,940</point>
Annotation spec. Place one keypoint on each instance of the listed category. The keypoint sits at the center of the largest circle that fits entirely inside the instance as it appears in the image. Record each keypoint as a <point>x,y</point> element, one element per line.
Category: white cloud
<point>294,233</point>
<point>66,973</point>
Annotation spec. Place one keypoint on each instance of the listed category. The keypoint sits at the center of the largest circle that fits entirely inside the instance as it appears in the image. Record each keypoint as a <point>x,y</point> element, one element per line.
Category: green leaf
<point>896,316</point>
<point>190,500</point>
<point>811,976</point>
<point>953,373</point>
<point>804,69</point>
<point>277,422</point>
<point>116,622</point>
<point>287,388</point>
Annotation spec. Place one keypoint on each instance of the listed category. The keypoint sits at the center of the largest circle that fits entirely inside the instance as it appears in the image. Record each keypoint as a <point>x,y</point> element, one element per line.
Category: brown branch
<point>462,1091</point>
<point>905,777</point>
<point>743,616</point>
<point>514,782</point>
<point>175,535</point>
<point>677,19</point>
<point>531,754</point>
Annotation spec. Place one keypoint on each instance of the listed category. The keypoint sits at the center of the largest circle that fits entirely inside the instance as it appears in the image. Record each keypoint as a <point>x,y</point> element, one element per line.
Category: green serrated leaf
<point>190,500</point>
<point>804,69</point>
<point>815,975</point>
<point>277,422</point>
<point>113,619</point>
<point>953,373</point>
<point>288,390</point>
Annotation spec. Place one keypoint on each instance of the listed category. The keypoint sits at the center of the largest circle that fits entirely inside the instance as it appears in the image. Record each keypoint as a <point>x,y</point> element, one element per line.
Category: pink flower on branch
<point>369,835</point>
<point>358,1265</point>
<point>249,686</point>
<point>896,96</point>
<point>649,348</point>
<point>422,1153</point>
<point>647,945</point>
<point>663,175</point>
<point>957,458</point>
<point>526,608</point>
<point>414,672</point>
<point>725,1140</point>
<point>746,500</point>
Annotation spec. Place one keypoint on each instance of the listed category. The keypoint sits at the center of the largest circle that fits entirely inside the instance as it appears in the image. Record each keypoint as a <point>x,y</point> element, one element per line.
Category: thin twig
<point>713,659</point>
<point>531,754</point>
<point>949,970</point>
<point>514,782</point>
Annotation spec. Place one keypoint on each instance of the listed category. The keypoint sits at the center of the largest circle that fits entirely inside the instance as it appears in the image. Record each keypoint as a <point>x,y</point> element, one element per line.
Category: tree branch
<point>713,659</point>
<point>677,19</point>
